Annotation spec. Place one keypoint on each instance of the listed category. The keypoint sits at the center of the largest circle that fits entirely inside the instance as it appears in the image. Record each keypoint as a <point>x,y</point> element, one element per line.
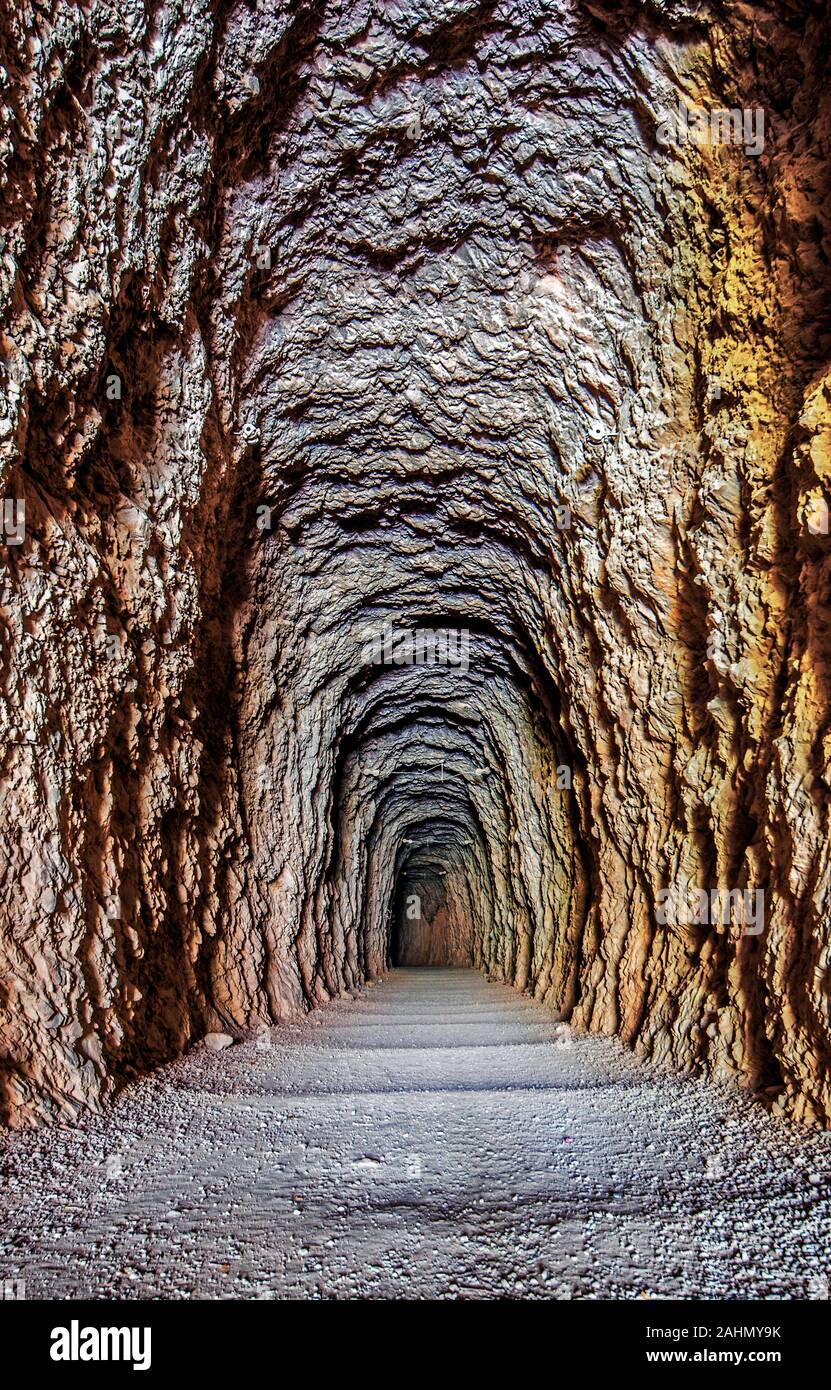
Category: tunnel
<point>416,451</point>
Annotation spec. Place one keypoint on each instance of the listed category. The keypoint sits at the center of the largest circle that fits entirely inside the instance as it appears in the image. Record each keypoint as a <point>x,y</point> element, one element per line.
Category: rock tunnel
<point>416,449</point>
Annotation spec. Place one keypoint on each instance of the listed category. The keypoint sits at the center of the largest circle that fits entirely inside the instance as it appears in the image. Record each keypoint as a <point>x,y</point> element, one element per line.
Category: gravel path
<point>438,1136</point>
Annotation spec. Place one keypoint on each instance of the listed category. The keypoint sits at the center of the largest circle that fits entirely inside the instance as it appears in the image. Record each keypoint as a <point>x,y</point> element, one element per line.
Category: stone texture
<point>417,322</point>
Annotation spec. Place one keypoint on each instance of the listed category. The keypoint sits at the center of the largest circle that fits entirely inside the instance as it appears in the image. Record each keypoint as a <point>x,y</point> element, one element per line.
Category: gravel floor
<point>439,1136</point>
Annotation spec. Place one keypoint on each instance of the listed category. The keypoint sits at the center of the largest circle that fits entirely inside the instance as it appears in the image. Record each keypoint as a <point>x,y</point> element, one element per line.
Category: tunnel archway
<point>434,339</point>
<point>434,906</point>
<point>415,608</point>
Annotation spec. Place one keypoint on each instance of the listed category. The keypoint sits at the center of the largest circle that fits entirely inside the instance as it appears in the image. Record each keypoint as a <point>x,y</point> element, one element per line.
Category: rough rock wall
<point>424,459</point>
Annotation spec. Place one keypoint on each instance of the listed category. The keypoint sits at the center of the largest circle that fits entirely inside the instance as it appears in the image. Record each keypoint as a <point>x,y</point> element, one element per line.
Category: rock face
<point>423,426</point>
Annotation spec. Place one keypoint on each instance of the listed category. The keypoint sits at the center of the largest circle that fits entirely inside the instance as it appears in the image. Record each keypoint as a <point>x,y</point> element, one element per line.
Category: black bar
<point>219,1339</point>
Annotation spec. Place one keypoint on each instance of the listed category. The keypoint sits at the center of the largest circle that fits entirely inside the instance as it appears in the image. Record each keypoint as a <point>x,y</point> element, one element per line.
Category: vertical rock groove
<point>425,460</point>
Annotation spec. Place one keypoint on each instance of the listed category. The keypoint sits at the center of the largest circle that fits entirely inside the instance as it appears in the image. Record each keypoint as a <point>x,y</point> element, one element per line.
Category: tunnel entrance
<point>431,922</point>
<point>422,930</point>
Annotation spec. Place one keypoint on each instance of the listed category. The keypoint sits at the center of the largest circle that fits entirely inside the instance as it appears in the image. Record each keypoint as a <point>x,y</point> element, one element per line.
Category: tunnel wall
<point>325,326</point>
